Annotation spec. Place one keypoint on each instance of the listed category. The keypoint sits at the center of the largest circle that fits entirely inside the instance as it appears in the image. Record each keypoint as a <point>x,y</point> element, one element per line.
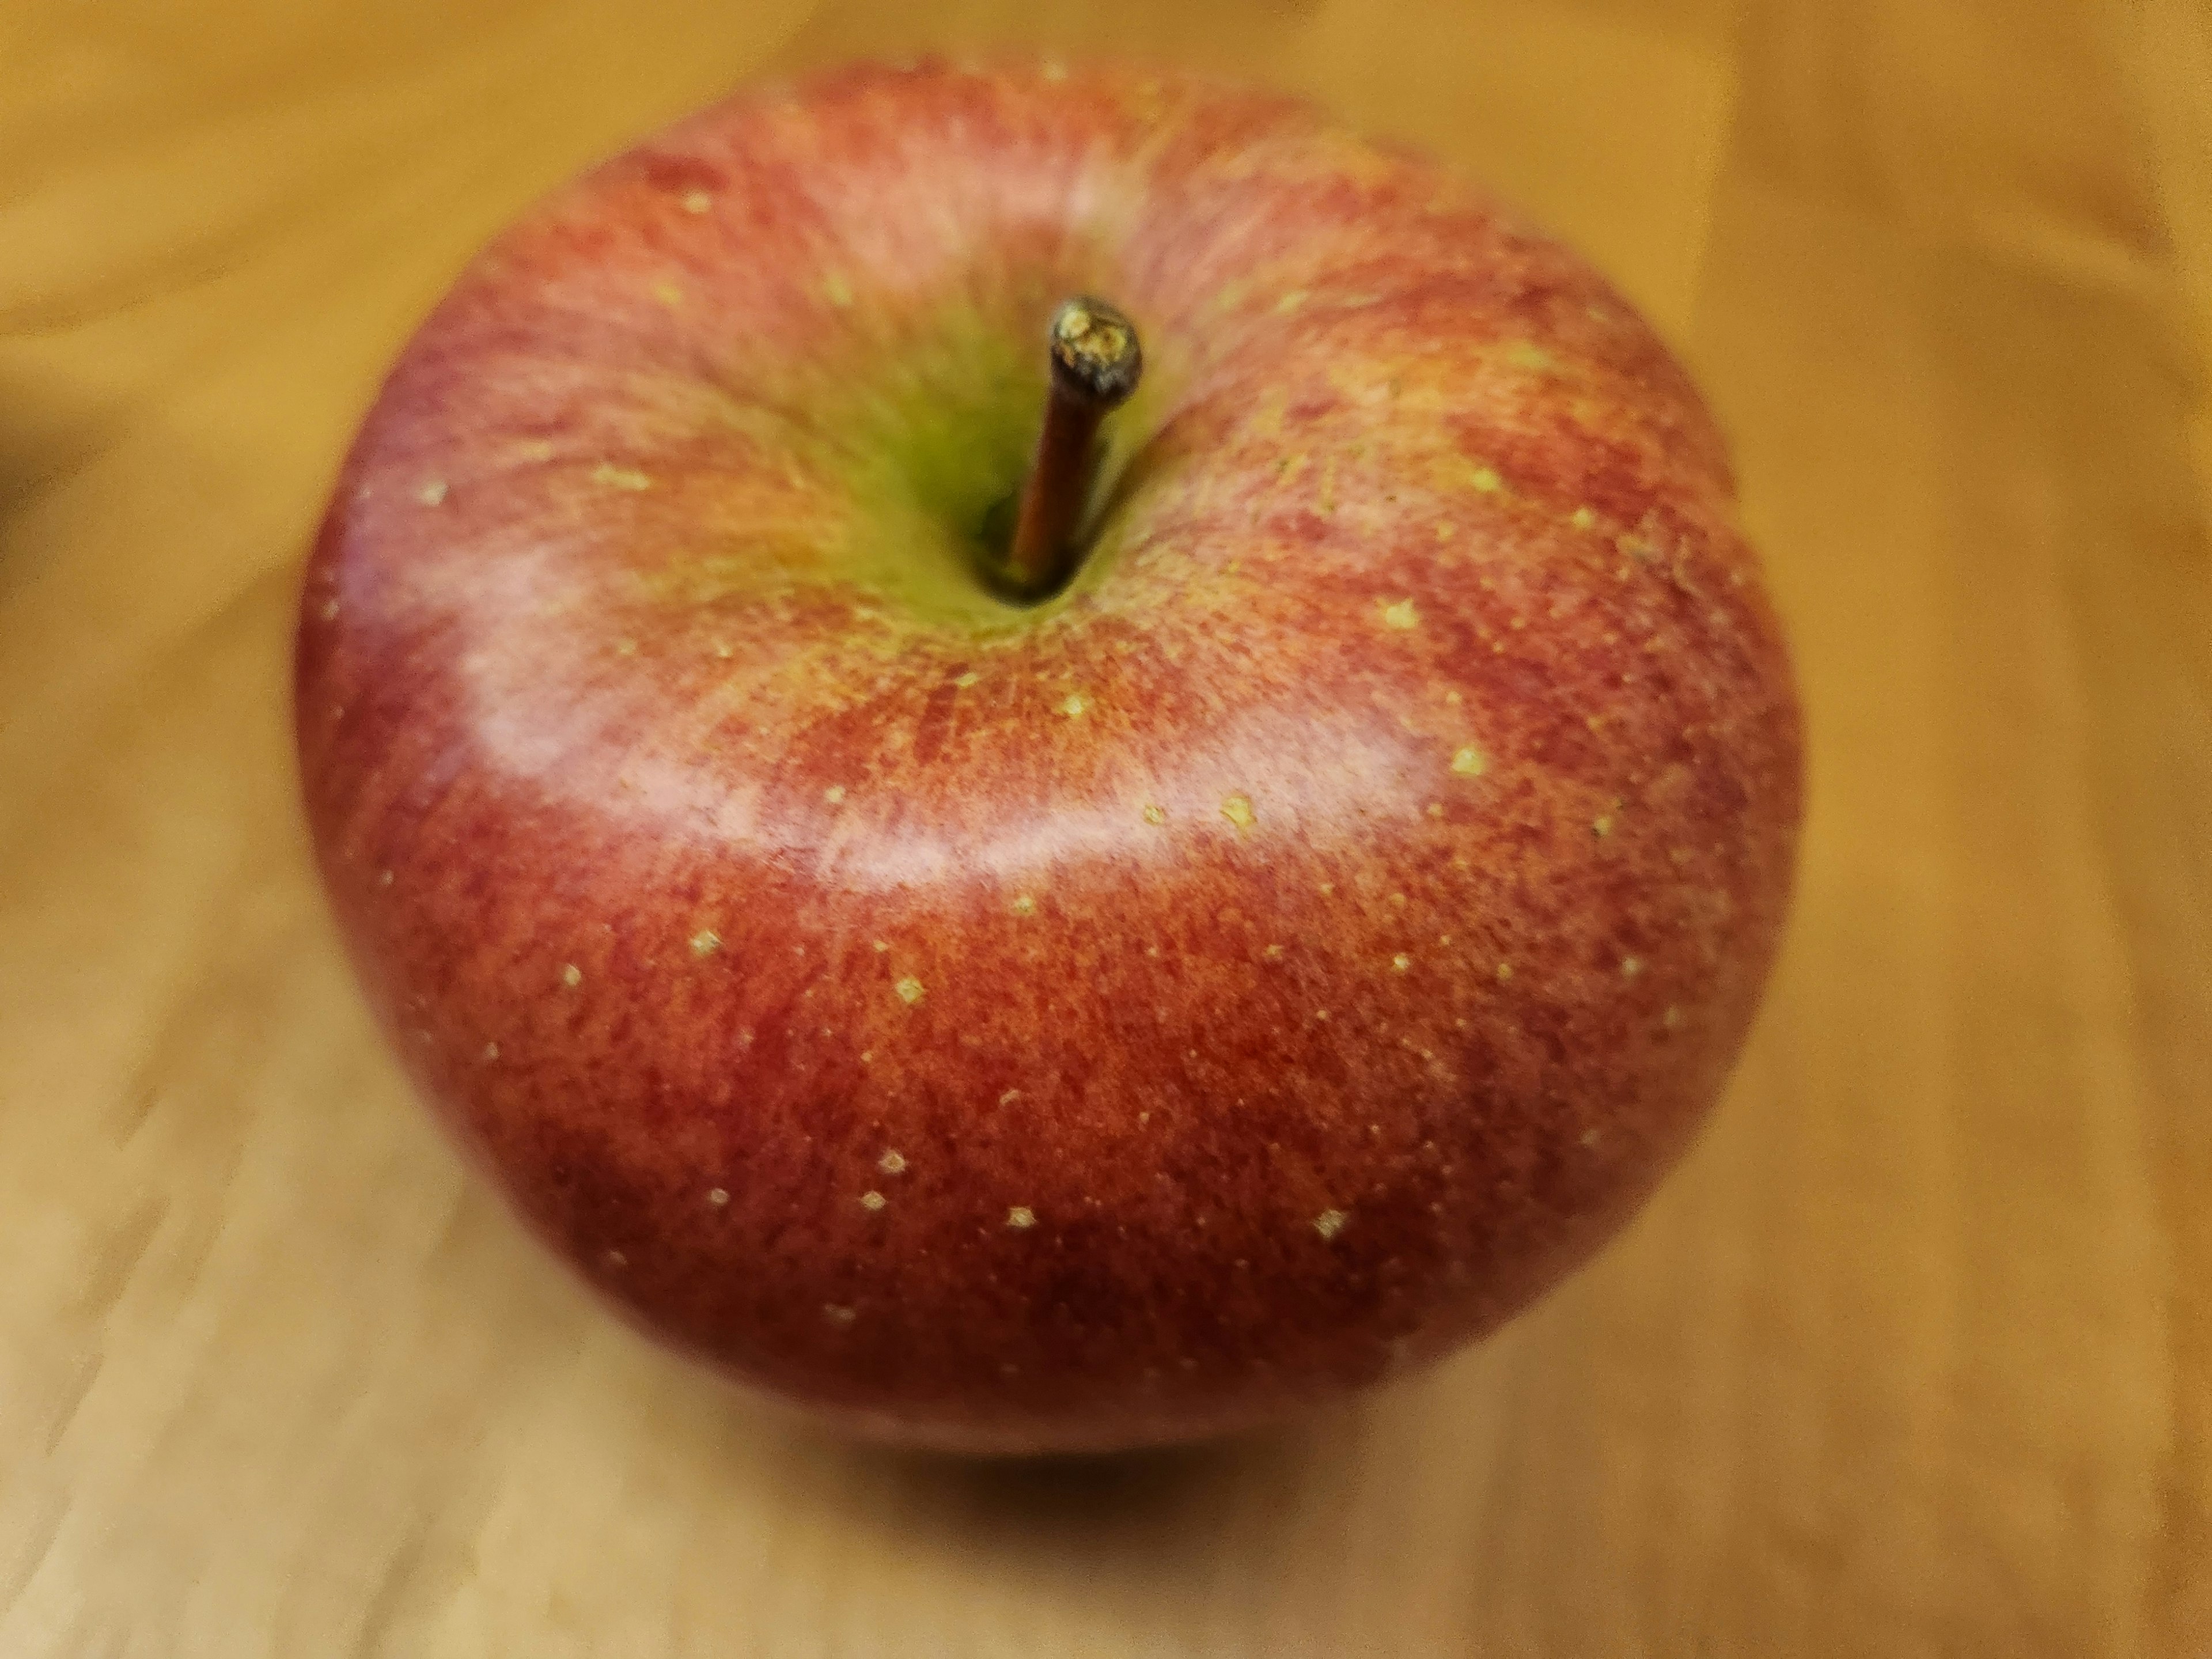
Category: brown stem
<point>1096,362</point>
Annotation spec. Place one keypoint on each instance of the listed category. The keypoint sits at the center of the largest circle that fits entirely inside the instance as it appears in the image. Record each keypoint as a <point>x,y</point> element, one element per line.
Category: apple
<point>1210,979</point>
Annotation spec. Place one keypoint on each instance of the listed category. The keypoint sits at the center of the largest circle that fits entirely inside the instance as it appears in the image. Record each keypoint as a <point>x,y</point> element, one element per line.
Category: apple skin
<point>1263,968</point>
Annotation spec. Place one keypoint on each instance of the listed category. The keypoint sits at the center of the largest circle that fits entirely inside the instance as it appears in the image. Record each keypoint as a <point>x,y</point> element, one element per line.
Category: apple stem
<point>1096,362</point>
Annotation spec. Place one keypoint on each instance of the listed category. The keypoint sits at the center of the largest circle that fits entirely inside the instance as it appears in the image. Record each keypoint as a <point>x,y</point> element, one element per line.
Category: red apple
<point>1264,965</point>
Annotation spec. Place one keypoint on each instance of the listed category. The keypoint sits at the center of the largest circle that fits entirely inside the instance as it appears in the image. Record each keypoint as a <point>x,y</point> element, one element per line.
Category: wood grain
<point>1913,1356</point>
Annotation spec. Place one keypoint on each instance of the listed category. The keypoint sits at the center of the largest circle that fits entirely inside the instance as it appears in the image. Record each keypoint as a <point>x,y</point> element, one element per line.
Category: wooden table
<point>1913,1356</point>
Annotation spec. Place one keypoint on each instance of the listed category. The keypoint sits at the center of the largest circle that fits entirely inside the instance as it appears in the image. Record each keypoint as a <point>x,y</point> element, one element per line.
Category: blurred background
<point>1914,1354</point>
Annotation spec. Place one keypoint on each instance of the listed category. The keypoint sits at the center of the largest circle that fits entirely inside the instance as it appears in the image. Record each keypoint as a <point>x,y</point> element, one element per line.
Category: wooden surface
<point>1913,1356</point>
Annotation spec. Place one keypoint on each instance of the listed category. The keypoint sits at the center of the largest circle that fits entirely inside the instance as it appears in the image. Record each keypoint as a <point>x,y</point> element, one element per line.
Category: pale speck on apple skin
<point>572,975</point>
<point>1401,963</point>
<point>835,795</point>
<point>668,293</point>
<point>330,610</point>
<point>625,648</point>
<point>698,201</point>
<point>1468,762</point>
<point>872,1200</point>
<point>966,680</point>
<point>717,1196</point>
<point>836,289</point>
<point>1402,615</point>
<point>1582,518</point>
<point>1504,972</point>
<point>620,477</point>
<point>383,878</point>
<point>910,990</point>
<point>616,1259</point>
<point>432,493</point>
<point>836,1315</point>
<point>1156,815</point>
<point>1672,1019</point>
<point>1021,1218</point>
<point>1273,953</point>
<point>1025,906</point>
<point>1010,1097</point>
<point>1486,481</point>
<point>1631,967</point>
<point>491,1051</point>
<point>1330,1223</point>
<point>706,942</point>
<point>1601,827</point>
<point>1072,707</point>
<point>892,1163</point>
<point>1237,809</point>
